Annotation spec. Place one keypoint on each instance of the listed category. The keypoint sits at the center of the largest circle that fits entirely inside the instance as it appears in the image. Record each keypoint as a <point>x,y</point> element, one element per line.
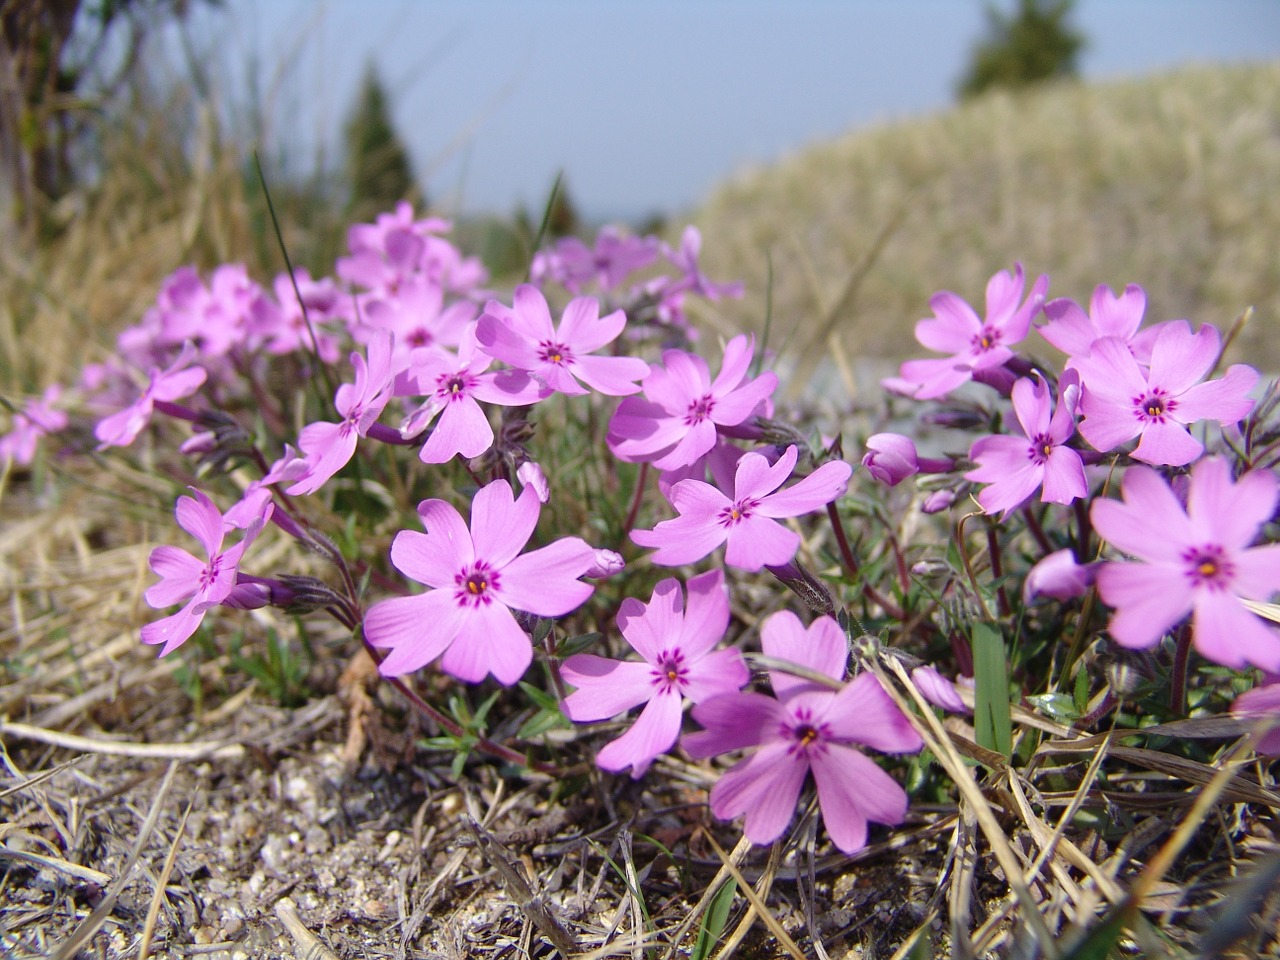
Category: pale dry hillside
<point>1172,182</point>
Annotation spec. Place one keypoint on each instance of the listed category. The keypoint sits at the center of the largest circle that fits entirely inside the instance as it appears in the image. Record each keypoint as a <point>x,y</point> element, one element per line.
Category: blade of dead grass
<point>196,750</point>
<point>727,869</point>
<point>763,886</point>
<point>936,739</point>
<point>93,923</point>
<point>761,908</point>
<point>162,881</point>
<point>310,946</point>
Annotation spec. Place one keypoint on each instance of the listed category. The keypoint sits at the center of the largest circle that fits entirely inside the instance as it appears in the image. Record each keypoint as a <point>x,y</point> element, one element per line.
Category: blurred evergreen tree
<point>1034,43</point>
<point>379,171</point>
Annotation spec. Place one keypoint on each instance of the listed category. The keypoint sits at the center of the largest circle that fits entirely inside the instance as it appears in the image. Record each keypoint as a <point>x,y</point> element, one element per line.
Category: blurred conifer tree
<point>378,167</point>
<point>1034,43</point>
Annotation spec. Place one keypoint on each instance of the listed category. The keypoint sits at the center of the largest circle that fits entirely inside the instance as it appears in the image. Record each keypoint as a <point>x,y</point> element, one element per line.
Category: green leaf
<point>541,722</point>
<point>1081,692</point>
<point>992,721</point>
<point>713,921</point>
<point>1056,705</point>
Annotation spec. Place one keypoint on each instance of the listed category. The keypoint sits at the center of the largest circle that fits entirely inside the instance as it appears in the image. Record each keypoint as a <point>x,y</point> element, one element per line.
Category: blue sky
<point>647,105</point>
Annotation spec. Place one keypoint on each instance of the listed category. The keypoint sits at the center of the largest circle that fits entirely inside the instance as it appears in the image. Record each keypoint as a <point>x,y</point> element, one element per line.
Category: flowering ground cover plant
<point>482,497</point>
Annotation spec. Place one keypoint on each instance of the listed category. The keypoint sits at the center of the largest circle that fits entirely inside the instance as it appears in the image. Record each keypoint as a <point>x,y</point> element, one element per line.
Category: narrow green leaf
<point>1081,692</point>
<point>992,721</point>
<point>713,921</point>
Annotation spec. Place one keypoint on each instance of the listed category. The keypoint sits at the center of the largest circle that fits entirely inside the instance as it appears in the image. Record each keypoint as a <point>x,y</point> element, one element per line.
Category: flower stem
<point>455,729</point>
<point>890,608</point>
<point>641,479</point>
<point>1178,679</point>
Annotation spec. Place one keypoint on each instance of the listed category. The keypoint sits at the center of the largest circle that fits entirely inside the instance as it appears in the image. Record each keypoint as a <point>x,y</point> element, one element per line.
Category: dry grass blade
<point>310,947</point>
<point>197,750</point>
<point>770,921</point>
<point>519,889</point>
<point>937,740</point>
<point>92,923</point>
<point>162,881</point>
<point>727,869</point>
<point>763,886</point>
<point>54,863</point>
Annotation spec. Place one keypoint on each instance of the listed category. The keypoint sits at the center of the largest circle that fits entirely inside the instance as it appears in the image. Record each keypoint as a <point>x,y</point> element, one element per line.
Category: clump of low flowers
<point>565,492</point>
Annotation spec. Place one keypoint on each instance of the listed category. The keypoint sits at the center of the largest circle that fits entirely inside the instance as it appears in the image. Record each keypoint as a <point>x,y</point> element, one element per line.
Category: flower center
<point>209,575</point>
<point>985,339</point>
<point>1154,406</point>
<point>557,353</point>
<point>475,585</point>
<point>419,338</point>
<point>454,386</point>
<point>1041,449</point>
<point>699,410</point>
<point>734,514</point>
<point>1209,567</point>
<point>809,737</point>
<point>670,671</point>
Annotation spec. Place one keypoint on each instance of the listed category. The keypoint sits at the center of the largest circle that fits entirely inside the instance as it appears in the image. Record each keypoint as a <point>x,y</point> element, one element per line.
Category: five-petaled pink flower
<point>1196,560</point>
<point>453,387</point>
<point>329,446</point>
<point>198,584</point>
<point>1015,467</point>
<point>476,577</point>
<point>975,344</point>
<point>808,727</point>
<point>748,521</point>
<point>178,380</point>
<point>679,662</point>
<point>675,422</point>
<point>1121,400</point>
<point>525,338</point>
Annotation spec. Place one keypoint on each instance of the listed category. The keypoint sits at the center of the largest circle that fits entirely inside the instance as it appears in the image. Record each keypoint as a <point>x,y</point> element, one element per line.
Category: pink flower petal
<point>764,787</point>
<point>853,790</point>
<point>1226,632</point>
<point>864,713</point>
<point>654,732</point>
<point>1149,599</point>
<point>417,629</point>
<point>756,542</point>
<point>821,647</point>
<point>733,722</point>
<point>488,642</point>
<point>545,581</point>
<point>501,524</point>
<point>605,688</point>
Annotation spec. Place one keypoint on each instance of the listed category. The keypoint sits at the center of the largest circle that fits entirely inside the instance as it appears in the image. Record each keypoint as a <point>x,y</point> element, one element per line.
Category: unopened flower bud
<point>606,564</point>
<point>891,458</point>
<point>805,585</point>
<point>1058,576</point>
<point>938,501</point>
<point>531,475</point>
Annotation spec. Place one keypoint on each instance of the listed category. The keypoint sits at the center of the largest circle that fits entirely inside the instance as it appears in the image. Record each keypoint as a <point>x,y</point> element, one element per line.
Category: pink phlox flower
<point>175,382</point>
<point>974,344</point>
<point>807,727</point>
<point>676,641</point>
<point>328,447</point>
<point>1196,560</point>
<point>1121,400</point>
<point>38,418</point>
<point>938,690</point>
<point>288,469</point>
<point>282,325</point>
<point>421,322</point>
<point>1059,576</point>
<point>560,356</point>
<point>396,247</point>
<point>1261,707</point>
<point>747,521</point>
<point>615,256</point>
<point>1074,332</point>
<point>685,259</point>
<point>476,577</point>
<point>607,563</point>
<point>676,420</point>
<point>186,579</point>
<point>215,318</point>
<point>453,387</point>
<point>1014,467</point>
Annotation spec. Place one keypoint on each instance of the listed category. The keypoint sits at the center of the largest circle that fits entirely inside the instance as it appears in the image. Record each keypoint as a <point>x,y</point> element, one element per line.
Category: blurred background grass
<point>1172,182</point>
